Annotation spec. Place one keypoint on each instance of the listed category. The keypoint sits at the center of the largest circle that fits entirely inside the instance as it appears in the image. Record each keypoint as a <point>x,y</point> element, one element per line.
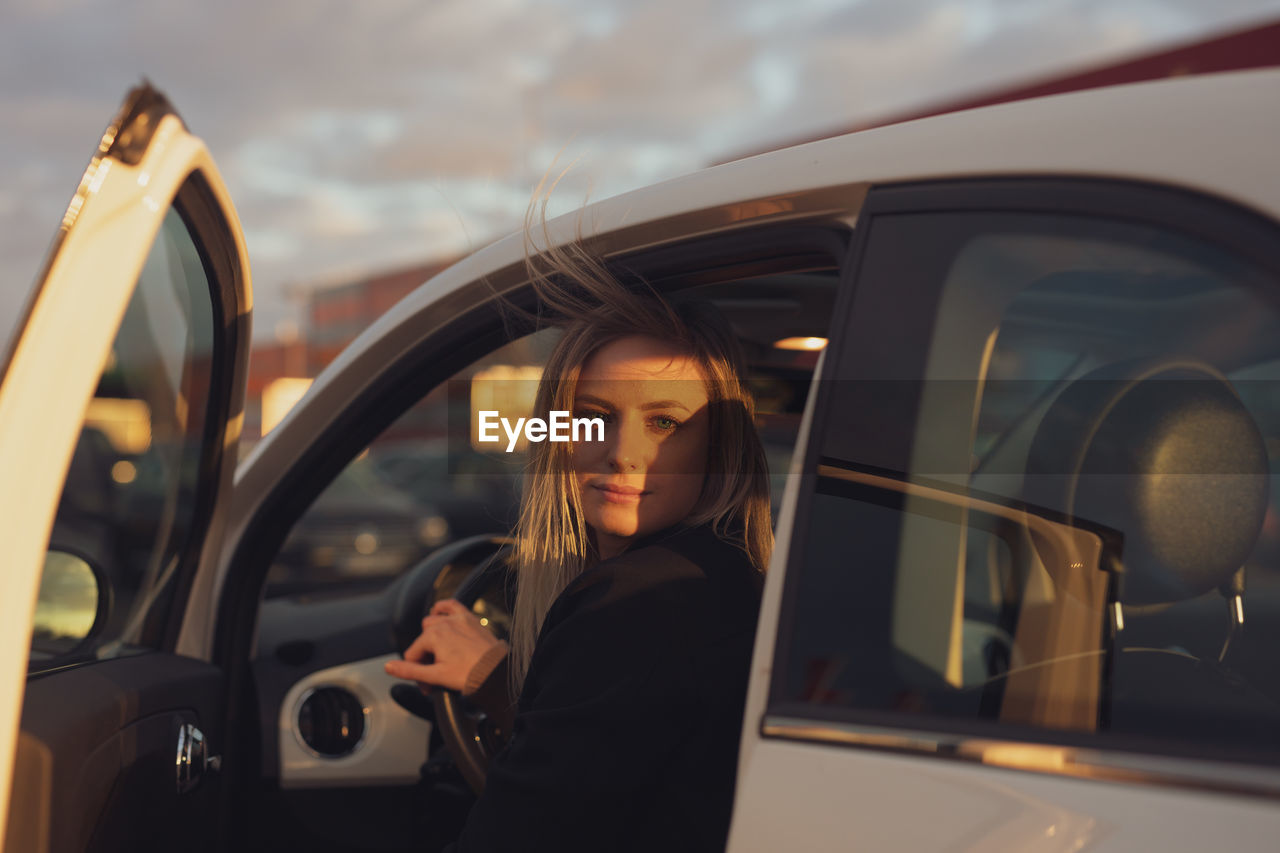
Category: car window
<point>1046,506</point>
<point>428,480</point>
<point>421,484</point>
<point>129,504</point>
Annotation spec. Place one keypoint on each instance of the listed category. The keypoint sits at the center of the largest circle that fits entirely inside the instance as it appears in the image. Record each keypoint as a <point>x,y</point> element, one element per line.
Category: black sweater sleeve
<point>493,696</point>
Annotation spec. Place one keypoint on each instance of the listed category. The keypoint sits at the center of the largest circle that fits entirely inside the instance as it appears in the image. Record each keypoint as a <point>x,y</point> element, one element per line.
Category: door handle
<point>193,758</point>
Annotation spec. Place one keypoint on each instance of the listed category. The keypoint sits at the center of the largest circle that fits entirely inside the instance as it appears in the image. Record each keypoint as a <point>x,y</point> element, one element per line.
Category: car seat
<point>1163,453</point>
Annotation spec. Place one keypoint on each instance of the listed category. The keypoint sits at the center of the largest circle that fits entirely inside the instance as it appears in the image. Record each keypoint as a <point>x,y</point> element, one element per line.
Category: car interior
<point>1152,349</point>
<point>1113,504</point>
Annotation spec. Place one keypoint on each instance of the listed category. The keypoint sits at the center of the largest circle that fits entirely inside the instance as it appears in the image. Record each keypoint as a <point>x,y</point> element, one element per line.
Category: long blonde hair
<point>594,307</point>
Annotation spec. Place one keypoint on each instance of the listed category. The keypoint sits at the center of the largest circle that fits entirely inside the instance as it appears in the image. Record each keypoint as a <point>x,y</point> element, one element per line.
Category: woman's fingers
<point>454,639</point>
<point>421,647</point>
<point>443,675</point>
<point>448,609</point>
<point>457,614</point>
<point>424,672</point>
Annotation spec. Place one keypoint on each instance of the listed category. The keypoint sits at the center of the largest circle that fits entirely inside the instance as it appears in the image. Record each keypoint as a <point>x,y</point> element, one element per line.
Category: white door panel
<point>59,354</point>
<point>815,798</point>
<point>805,784</point>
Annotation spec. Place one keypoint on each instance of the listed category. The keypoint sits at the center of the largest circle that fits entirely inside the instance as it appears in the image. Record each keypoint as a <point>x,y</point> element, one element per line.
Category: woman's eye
<point>587,413</point>
<point>665,423</point>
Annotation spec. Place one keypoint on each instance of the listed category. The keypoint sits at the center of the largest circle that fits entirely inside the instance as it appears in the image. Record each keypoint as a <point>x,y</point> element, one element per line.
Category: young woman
<point>639,563</point>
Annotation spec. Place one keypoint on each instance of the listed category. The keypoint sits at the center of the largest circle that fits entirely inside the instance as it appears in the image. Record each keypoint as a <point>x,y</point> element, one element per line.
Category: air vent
<point>331,722</point>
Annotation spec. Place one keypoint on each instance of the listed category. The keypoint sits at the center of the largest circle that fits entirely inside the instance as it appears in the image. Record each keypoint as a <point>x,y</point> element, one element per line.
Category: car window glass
<point>1076,529</point>
<point>129,503</point>
<point>421,484</point>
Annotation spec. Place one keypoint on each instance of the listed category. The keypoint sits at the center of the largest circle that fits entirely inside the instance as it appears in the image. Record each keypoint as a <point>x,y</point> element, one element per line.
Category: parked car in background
<point>1020,380</point>
<point>477,492</point>
<point>361,531</point>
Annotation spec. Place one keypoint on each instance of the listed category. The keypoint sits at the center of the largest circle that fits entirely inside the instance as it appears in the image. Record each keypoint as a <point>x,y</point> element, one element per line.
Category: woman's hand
<point>454,637</point>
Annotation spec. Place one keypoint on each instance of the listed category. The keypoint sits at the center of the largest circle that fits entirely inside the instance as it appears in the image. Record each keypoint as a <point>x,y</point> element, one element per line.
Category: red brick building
<point>335,315</point>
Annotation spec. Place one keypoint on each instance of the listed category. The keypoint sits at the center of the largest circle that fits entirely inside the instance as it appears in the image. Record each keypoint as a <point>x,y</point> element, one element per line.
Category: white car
<point>1019,371</point>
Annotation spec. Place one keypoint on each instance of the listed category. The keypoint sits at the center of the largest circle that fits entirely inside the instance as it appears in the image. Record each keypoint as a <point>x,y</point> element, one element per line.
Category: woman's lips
<point>620,494</point>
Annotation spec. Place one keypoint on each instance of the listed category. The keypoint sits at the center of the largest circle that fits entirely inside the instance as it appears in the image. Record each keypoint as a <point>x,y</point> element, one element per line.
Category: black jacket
<point>626,733</point>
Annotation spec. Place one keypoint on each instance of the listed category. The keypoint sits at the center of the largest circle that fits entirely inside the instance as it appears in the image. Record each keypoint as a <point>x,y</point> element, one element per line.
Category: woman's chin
<point>619,521</point>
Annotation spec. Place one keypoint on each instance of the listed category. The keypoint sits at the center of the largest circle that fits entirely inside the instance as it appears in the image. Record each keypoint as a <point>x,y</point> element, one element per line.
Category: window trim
<point>1109,765</point>
<point>1229,227</point>
<point>210,235</point>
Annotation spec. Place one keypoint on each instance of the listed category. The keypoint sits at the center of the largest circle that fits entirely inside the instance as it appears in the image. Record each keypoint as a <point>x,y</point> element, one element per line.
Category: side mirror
<point>72,608</point>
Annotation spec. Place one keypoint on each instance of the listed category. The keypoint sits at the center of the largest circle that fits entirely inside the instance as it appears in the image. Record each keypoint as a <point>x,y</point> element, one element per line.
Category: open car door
<point>120,409</point>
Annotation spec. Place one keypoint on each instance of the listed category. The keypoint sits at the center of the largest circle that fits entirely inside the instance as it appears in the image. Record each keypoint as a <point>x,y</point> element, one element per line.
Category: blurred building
<point>336,315</point>
<point>279,371</point>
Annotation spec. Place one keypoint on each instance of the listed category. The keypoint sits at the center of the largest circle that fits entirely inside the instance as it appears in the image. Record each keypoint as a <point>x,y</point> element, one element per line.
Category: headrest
<point>1165,453</point>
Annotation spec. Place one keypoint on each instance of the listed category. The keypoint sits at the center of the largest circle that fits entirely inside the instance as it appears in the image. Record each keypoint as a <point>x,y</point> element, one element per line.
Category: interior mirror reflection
<point>68,607</point>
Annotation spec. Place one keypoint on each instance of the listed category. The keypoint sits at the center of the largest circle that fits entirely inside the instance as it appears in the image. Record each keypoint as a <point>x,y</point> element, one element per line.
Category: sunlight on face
<point>648,472</point>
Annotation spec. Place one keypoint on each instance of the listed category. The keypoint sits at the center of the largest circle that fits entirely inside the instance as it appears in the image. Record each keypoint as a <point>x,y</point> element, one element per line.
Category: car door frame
<point>392,381</point>
<point>145,163</point>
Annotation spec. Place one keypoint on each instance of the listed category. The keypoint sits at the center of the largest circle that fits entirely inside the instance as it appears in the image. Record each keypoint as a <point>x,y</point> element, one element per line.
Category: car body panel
<point>795,796</point>
<point>810,784</point>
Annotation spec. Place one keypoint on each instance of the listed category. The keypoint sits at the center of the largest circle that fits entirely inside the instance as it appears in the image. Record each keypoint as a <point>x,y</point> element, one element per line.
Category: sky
<point>358,137</point>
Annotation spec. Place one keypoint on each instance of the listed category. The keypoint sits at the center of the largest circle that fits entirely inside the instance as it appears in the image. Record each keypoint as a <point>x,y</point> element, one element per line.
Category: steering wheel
<point>470,571</point>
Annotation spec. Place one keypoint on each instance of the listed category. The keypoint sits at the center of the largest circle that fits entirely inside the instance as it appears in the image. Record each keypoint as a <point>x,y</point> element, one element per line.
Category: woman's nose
<point>627,452</point>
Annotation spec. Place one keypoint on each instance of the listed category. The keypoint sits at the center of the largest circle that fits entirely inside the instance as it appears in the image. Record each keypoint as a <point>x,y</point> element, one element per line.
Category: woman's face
<point>647,474</point>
